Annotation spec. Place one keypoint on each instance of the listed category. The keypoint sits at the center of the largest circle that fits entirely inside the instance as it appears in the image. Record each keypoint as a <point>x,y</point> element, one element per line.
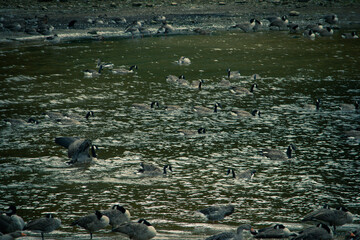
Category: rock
<point>173,4</point>
<point>294,13</point>
<point>222,3</point>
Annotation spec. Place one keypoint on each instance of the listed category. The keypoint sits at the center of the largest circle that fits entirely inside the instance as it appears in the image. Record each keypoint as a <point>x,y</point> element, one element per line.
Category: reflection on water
<point>294,73</point>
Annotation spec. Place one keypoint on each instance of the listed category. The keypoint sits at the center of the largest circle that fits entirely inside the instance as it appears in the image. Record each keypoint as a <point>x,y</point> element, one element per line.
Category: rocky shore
<point>25,20</point>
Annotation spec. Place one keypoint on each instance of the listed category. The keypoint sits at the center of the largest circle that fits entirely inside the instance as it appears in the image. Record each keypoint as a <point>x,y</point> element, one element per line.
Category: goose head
<point>317,103</point>
<point>88,114</point>
<point>165,167</point>
<point>230,170</point>
<point>133,67</point>
<point>98,214</point>
<point>289,150</point>
<point>154,104</point>
<point>255,112</point>
<point>253,86</point>
<point>201,130</point>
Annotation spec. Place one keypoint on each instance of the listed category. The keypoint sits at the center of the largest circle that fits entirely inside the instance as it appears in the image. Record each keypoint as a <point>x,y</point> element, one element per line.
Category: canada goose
<point>174,79</point>
<point>256,77</point>
<point>18,122</point>
<point>10,221</point>
<point>243,91</point>
<point>142,106</point>
<point>241,113</point>
<point>206,110</point>
<point>316,212</point>
<point>248,174</point>
<point>105,65</point>
<point>283,18</point>
<point>315,27</point>
<point>313,107</point>
<point>93,73</point>
<point>117,215</point>
<point>233,74</point>
<point>12,235</point>
<point>232,235</point>
<point>191,132</point>
<point>43,225</point>
<point>92,222</point>
<point>197,84</point>
<point>276,231</point>
<point>281,23</point>
<point>123,71</point>
<point>141,230</point>
<point>331,19</point>
<point>183,61</point>
<point>331,217</point>
<point>350,107</point>
<point>319,232</point>
<point>274,154</point>
<point>78,149</point>
<point>351,35</point>
<point>133,27</point>
<point>325,32</point>
<point>152,170</point>
<point>217,213</point>
<point>248,26</point>
<point>309,34</point>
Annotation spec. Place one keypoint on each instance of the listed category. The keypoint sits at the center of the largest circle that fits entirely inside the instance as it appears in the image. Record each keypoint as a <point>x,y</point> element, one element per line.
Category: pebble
<point>294,13</point>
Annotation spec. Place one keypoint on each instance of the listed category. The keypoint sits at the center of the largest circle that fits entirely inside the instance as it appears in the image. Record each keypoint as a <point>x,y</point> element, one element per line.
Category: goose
<point>326,32</point>
<point>248,174</point>
<point>12,235</point>
<point>314,107</point>
<point>276,231</point>
<point>174,79</point>
<point>10,221</point>
<point>310,216</point>
<point>105,65</point>
<point>319,232</point>
<point>351,35</point>
<point>283,18</point>
<point>18,122</point>
<point>123,71</point>
<point>165,28</point>
<point>117,215</point>
<point>233,74</point>
<point>92,222</point>
<point>243,91</point>
<point>184,61</point>
<point>206,110</point>
<point>152,170</point>
<point>350,107</point>
<point>133,27</point>
<point>241,113</point>
<point>315,27</point>
<point>142,106</point>
<point>232,235</point>
<point>217,213</point>
<point>141,230</point>
<point>191,132</point>
<point>248,26</point>
<point>331,217</point>
<point>294,28</point>
<point>331,19</point>
<point>274,154</point>
<point>280,23</point>
<point>309,34</point>
<point>256,76</point>
<point>93,73</point>
<point>78,149</point>
<point>197,84</point>
<point>43,225</point>
<point>224,83</point>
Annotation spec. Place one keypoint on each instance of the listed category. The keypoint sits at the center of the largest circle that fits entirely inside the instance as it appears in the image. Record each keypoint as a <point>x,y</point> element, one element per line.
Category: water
<point>294,72</point>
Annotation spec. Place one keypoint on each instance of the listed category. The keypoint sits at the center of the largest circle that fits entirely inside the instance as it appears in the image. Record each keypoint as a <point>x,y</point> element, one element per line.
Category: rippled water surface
<point>294,73</point>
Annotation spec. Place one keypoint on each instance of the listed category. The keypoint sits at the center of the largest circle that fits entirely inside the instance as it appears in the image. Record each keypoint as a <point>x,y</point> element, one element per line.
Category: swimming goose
<point>197,84</point>
<point>141,230</point>
<point>309,34</point>
<point>217,213</point>
<point>12,236</point>
<point>152,170</point>
<point>274,154</point>
<point>331,19</point>
<point>276,231</point>
<point>123,71</point>
<point>206,110</point>
<point>105,65</point>
<point>117,215</point>
<point>233,74</point>
<point>243,91</point>
<point>93,73</point>
<point>241,113</point>
<point>43,225</point>
<point>10,221</point>
<point>313,107</point>
<point>248,174</point>
<point>331,217</point>
<point>191,132</point>
<point>319,232</point>
<point>351,35</point>
<point>143,106</point>
<point>183,61</point>
<point>232,235</point>
<point>92,222</point>
<point>174,79</point>
<point>248,26</point>
<point>326,32</point>
<point>78,149</point>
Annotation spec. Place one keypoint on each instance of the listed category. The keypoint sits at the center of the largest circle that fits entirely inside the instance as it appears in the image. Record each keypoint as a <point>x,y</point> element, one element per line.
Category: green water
<point>294,72</point>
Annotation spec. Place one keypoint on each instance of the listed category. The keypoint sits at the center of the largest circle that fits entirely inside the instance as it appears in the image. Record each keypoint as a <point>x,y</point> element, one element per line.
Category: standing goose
<point>78,149</point>
<point>152,170</point>
<point>274,154</point>
<point>319,232</point>
<point>243,91</point>
<point>92,222</point>
<point>351,35</point>
<point>248,174</point>
<point>142,106</point>
<point>43,225</point>
<point>117,215</point>
<point>233,74</point>
<point>10,221</point>
<point>123,71</point>
<point>12,235</point>
<point>206,110</point>
<point>276,231</point>
<point>217,213</point>
<point>241,113</point>
<point>141,230</point>
<point>232,235</point>
<point>331,217</point>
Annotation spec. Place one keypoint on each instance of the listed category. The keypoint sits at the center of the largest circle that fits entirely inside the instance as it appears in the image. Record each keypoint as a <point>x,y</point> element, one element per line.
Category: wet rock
<point>294,13</point>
